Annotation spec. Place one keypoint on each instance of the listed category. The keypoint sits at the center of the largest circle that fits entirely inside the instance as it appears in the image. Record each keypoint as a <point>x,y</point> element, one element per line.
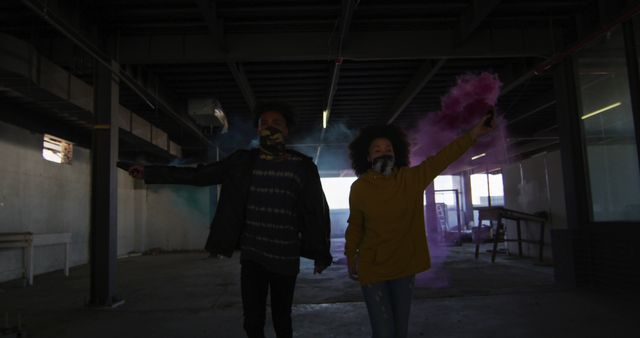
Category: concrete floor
<point>191,295</point>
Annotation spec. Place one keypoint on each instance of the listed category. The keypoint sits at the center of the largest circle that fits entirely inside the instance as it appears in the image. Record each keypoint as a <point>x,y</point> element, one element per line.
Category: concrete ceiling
<point>364,61</point>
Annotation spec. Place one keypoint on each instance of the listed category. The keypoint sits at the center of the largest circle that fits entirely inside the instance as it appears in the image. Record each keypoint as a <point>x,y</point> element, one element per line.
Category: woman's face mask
<point>381,156</point>
<point>383,164</point>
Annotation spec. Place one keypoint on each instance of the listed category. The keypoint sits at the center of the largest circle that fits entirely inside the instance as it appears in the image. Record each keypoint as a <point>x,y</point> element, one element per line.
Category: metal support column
<point>104,155</point>
<point>467,198</point>
<point>634,77</point>
<point>572,146</point>
<point>568,245</point>
<point>430,213</point>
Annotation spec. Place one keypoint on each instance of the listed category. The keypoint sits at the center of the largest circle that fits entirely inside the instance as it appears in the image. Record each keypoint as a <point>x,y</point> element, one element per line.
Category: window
<point>57,150</point>
<point>607,121</point>
<point>336,190</point>
<point>487,188</point>
<point>448,197</point>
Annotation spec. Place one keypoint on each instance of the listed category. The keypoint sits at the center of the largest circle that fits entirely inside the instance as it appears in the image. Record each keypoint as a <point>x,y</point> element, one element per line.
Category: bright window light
<point>57,150</point>
<point>336,189</point>
<point>443,182</point>
<point>481,189</point>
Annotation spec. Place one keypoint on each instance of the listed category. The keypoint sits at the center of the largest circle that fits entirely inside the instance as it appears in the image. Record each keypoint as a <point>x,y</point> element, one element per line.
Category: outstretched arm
<point>201,175</point>
<point>434,165</point>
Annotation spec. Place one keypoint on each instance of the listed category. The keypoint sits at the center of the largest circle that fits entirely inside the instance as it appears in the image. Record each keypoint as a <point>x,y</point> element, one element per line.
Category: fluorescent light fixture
<point>603,109</point>
<point>325,117</point>
<point>478,156</point>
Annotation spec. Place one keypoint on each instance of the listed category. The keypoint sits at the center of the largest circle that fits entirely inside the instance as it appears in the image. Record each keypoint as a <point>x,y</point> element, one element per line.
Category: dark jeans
<point>255,283</point>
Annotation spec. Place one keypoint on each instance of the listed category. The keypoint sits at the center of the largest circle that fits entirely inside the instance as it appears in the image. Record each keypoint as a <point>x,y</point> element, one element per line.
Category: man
<point>271,207</point>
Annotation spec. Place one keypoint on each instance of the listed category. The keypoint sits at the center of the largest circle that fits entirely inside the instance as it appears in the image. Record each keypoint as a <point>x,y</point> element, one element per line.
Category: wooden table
<point>27,241</point>
<point>497,214</point>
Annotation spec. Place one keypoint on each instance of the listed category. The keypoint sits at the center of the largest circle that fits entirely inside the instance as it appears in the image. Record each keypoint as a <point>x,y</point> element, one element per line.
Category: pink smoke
<point>461,109</point>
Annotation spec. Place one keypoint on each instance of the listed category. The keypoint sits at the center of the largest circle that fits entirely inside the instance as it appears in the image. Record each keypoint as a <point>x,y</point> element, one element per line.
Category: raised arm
<point>427,171</point>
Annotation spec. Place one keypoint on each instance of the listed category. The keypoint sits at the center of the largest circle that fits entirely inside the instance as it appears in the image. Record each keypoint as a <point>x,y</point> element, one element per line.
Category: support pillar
<point>570,246</point>
<point>431,218</point>
<point>104,155</point>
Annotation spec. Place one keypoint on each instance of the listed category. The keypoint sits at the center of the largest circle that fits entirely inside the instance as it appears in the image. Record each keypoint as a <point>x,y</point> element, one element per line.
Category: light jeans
<point>389,304</point>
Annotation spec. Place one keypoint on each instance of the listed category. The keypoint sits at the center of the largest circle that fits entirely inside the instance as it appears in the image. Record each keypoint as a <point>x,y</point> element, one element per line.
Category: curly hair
<point>359,147</point>
<point>277,106</point>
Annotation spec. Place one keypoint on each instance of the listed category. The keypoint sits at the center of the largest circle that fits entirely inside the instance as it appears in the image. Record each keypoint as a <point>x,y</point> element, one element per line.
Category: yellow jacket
<point>386,221</point>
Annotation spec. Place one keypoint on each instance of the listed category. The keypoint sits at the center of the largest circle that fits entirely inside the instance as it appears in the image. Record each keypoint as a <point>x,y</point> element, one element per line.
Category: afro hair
<point>359,147</point>
<point>277,106</point>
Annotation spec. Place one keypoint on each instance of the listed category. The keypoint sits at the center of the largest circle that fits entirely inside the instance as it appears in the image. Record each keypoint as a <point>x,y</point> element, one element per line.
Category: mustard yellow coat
<point>386,221</point>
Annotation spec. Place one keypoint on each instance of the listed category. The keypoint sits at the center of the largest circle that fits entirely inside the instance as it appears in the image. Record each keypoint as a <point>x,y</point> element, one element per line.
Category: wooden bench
<point>497,214</point>
<point>27,241</point>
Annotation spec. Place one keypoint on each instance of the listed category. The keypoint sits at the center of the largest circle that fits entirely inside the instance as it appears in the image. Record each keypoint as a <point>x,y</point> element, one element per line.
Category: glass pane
<point>479,190</point>
<point>607,119</point>
<point>448,197</point>
<point>496,189</point>
<point>485,187</point>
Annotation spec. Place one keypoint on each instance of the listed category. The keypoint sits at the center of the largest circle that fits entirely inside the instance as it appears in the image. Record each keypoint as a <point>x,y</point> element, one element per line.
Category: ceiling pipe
<point>347,14</point>
<point>348,7</point>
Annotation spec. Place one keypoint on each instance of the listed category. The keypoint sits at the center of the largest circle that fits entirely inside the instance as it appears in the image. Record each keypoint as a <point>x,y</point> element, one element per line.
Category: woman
<point>385,241</point>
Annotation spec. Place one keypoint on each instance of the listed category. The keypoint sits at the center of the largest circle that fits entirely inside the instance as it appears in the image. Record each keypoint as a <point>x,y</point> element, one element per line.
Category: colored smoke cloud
<point>461,109</point>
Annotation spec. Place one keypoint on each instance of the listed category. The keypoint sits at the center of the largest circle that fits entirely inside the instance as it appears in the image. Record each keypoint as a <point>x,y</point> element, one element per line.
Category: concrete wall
<point>178,216</point>
<point>42,197</point>
<point>531,186</point>
<point>45,197</point>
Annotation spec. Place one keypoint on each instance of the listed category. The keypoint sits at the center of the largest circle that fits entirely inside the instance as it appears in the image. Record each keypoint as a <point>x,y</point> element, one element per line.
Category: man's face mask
<point>272,140</point>
<point>383,164</point>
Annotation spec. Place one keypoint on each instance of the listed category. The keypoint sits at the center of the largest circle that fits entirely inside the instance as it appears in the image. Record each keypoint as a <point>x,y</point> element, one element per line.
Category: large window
<point>607,120</point>
<point>336,190</point>
<point>487,189</point>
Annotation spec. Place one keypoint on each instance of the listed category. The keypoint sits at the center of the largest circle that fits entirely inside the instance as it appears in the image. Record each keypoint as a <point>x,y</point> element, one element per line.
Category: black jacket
<point>234,173</point>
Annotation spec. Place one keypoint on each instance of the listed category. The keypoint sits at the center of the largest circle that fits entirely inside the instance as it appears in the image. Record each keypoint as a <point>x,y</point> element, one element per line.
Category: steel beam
<point>216,31</point>
<point>531,107</point>
<point>312,46</point>
<point>424,74</point>
<point>240,77</point>
<point>61,25</point>
<point>473,16</point>
<point>216,28</point>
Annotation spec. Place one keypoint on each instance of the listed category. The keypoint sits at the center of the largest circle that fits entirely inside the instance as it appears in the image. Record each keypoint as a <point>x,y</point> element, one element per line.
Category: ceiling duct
<point>208,113</point>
